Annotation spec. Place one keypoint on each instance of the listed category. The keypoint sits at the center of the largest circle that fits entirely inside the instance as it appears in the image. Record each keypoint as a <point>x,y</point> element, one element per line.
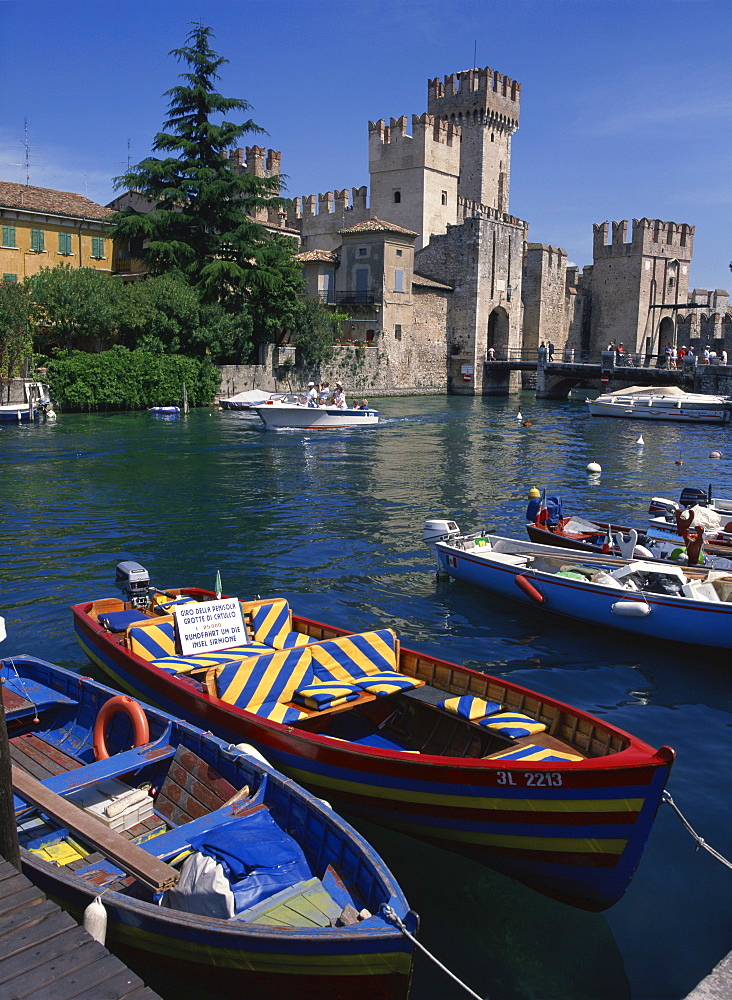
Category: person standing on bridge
<point>550,349</point>
<point>542,354</point>
<point>491,354</point>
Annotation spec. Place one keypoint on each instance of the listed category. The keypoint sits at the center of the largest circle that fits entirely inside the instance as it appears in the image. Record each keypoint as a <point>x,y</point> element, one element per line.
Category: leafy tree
<point>15,328</point>
<point>121,379</point>
<point>201,226</point>
<point>315,327</point>
<point>73,307</point>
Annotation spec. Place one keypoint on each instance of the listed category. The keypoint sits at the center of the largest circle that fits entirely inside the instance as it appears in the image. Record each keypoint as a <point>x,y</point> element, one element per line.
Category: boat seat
<point>155,642</point>
<point>271,623</point>
<point>469,706</point>
<point>530,752</point>
<point>305,904</point>
<point>263,684</point>
<point>352,658</point>
<point>325,695</point>
<point>120,621</point>
<point>513,724</point>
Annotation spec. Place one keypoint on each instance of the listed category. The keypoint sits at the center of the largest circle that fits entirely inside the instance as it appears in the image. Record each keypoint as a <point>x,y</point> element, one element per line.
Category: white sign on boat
<point>211,625</point>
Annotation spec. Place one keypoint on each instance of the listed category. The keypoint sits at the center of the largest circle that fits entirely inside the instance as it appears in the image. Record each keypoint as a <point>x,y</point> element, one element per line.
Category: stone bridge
<point>555,379</point>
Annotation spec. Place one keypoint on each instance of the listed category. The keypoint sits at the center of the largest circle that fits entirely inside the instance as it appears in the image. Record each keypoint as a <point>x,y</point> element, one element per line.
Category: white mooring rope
<point>700,842</point>
<point>390,914</point>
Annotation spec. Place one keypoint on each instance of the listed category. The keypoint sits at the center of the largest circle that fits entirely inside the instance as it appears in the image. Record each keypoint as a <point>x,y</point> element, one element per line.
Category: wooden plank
<point>68,974</point>
<point>35,955</point>
<point>37,934</point>
<point>131,858</point>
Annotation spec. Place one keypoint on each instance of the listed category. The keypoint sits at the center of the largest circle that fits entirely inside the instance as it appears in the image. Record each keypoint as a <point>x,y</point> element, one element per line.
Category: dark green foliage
<point>15,328</point>
<point>315,327</point>
<point>73,307</point>
<point>200,228</point>
<point>121,379</point>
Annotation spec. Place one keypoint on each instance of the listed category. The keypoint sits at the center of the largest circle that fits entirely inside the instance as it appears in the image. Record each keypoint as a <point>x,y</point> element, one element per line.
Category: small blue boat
<point>210,863</point>
<point>688,604</point>
<point>165,411</point>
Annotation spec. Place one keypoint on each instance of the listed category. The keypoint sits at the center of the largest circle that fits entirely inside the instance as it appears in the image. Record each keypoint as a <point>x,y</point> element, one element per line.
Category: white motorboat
<point>662,403</point>
<point>245,402</point>
<point>277,415</point>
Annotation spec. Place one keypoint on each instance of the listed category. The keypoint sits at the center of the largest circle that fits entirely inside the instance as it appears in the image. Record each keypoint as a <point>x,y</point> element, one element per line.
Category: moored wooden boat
<point>295,906</point>
<point>555,797</point>
<point>659,600</point>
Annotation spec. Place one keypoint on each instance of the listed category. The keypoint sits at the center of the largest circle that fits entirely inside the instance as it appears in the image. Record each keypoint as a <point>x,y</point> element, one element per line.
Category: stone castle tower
<point>485,105</point>
<point>414,178</point>
<point>639,286</point>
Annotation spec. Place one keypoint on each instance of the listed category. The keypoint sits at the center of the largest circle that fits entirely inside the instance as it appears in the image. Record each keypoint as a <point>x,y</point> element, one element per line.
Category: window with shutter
<point>38,243</point>
<point>10,279</point>
<point>64,243</point>
<point>9,236</point>
<point>97,247</point>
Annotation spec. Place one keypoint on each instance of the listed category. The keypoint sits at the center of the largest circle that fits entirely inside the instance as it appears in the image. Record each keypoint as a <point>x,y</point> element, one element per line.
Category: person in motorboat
<point>312,394</point>
<point>339,397</point>
<point>323,393</point>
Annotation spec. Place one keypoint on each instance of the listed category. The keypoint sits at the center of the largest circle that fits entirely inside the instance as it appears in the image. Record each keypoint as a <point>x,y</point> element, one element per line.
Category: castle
<point>435,271</point>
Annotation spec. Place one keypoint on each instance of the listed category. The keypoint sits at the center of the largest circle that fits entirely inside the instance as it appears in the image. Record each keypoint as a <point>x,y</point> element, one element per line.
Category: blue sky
<point>625,108</point>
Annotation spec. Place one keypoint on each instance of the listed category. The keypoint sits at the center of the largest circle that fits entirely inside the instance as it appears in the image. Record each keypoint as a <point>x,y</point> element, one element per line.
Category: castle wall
<point>320,218</point>
<point>482,261</point>
<point>544,294</point>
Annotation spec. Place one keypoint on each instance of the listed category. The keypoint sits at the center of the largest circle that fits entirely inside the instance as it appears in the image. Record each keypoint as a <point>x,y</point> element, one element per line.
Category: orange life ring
<point>137,717</point>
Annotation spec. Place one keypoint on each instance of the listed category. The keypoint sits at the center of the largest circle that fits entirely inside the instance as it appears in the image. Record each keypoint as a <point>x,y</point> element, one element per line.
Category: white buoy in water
<point>594,467</point>
<point>640,440</point>
<point>519,415</point>
<point>95,920</point>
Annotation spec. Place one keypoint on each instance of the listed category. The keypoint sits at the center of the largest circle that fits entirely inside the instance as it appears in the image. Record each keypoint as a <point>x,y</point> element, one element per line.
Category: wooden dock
<point>46,955</point>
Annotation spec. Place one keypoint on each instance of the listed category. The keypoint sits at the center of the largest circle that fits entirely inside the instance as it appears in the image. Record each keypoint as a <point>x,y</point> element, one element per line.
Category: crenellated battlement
<point>469,209</point>
<point>329,203</point>
<point>423,127</point>
<point>649,237</point>
<point>476,96</point>
<point>256,160</point>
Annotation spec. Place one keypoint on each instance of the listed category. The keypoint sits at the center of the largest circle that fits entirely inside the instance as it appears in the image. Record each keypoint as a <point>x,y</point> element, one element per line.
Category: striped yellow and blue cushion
<point>320,696</point>
<point>531,752</point>
<point>153,641</point>
<point>513,724</point>
<point>271,677</point>
<point>353,657</point>
<point>164,605</point>
<point>278,712</point>
<point>271,622</point>
<point>184,664</point>
<point>469,706</point>
<point>387,682</point>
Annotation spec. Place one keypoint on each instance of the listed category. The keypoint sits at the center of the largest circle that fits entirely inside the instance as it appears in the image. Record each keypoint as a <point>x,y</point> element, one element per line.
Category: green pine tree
<point>201,227</point>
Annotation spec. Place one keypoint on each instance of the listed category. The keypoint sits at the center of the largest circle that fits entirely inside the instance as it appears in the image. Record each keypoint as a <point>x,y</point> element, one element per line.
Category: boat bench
<point>288,685</point>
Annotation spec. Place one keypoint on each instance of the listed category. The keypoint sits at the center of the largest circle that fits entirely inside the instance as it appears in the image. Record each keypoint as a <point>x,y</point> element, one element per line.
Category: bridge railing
<point>606,359</point>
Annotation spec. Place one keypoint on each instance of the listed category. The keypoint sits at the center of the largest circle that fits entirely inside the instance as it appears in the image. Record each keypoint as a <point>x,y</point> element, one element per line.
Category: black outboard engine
<point>134,582</point>
<point>691,496</point>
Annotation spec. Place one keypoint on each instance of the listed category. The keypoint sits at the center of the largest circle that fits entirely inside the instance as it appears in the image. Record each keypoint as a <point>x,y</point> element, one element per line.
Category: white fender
<point>641,550</point>
<point>631,609</point>
<point>95,920</point>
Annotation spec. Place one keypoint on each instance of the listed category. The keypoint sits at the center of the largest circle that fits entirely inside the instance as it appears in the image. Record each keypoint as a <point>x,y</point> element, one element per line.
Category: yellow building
<point>43,228</point>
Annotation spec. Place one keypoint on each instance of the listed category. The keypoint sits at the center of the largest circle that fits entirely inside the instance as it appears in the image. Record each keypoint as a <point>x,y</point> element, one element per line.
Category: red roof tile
<point>40,199</point>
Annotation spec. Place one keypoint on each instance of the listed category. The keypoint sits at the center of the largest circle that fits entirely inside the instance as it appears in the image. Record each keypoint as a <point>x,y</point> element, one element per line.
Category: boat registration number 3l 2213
<point>530,779</point>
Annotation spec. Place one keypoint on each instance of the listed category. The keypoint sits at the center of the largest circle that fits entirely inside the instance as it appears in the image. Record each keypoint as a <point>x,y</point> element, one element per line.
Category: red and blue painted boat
<point>557,798</point>
<point>211,866</point>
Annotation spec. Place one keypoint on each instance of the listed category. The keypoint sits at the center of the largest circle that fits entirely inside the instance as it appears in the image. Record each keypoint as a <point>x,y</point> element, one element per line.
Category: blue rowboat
<point>263,889</point>
<point>658,600</point>
<point>526,784</point>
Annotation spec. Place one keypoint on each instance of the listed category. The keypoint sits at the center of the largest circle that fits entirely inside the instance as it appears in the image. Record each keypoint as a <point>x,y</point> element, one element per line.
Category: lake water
<point>333,521</point>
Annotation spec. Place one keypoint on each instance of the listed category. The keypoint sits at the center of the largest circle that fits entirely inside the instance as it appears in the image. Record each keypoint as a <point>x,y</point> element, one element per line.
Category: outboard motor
<point>439,531</point>
<point>661,507</point>
<point>134,582</point>
<point>692,496</point>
